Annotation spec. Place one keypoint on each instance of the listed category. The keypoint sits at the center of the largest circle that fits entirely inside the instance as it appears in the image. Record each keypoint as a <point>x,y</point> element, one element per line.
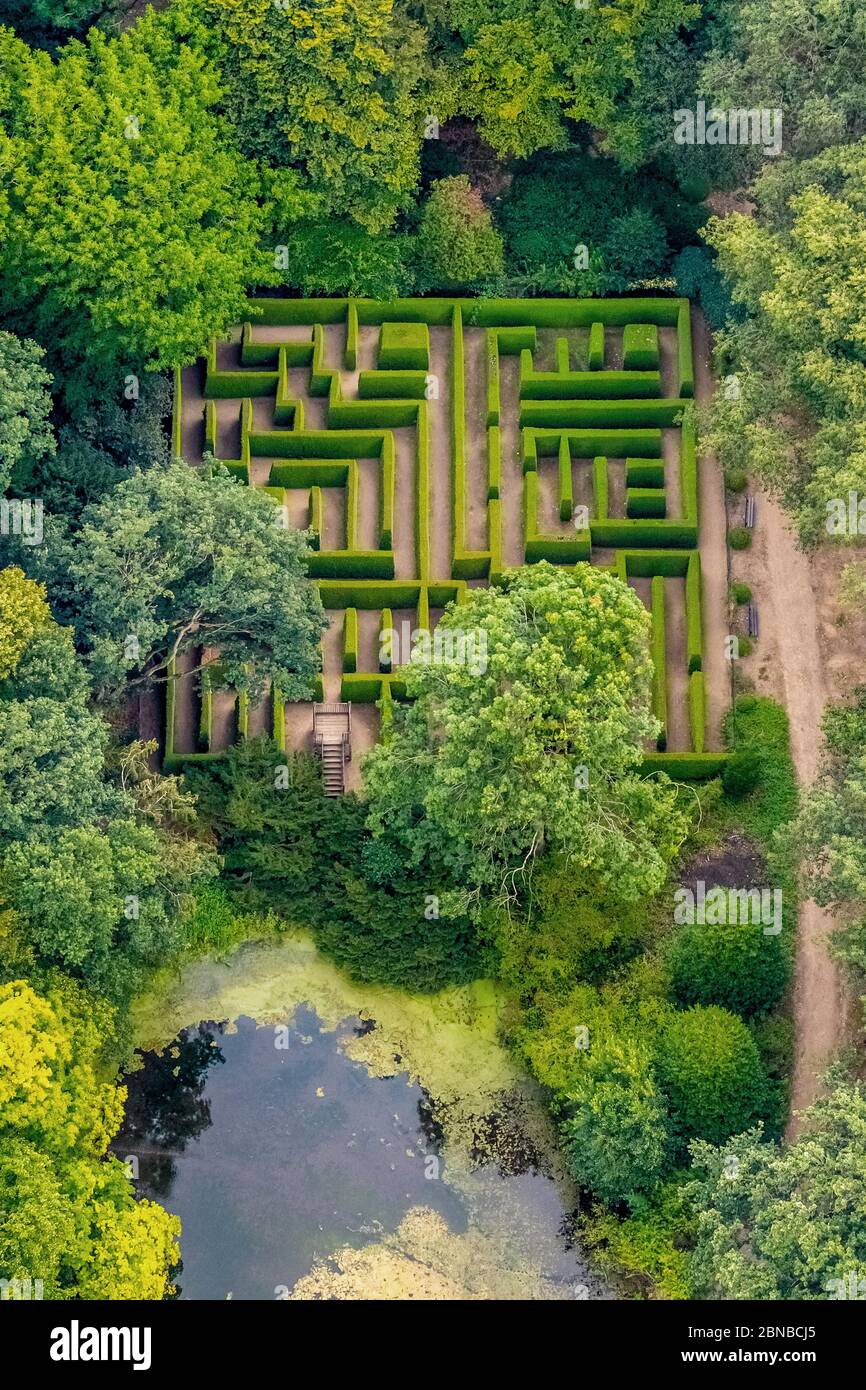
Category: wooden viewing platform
<point>332,741</point>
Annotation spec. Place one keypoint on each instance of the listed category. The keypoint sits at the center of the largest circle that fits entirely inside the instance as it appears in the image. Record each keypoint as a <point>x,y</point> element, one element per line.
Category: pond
<point>322,1139</point>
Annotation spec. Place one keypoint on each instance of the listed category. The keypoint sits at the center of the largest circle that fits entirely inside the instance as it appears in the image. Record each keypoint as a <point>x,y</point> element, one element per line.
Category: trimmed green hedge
<point>660,678</point>
<point>697,710</point>
<point>645,502</point>
<point>640,347</point>
<point>685,366</point>
<point>404,346</point>
<point>621,533</point>
<point>315,517</point>
<point>368,594</point>
<point>494,462</point>
<point>644,473</point>
<point>343,564</point>
<point>493,399</point>
<point>694,623</point>
<point>350,640</point>
<point>595,358</point>
<point>686,767</point>
<point>585,414</point>
<point>600,487</point>
<point>566,491</point>
<point>390,385</point>
<point>350,357</point>
<point>422,514</point>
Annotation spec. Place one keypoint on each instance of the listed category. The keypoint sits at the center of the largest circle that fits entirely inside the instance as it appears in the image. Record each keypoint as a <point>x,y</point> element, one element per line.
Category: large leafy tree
<point>25,405</point>
<point>68,1215</point>
<point>804,57</point>
<point>131,227</point>
<point>540,749</point>
<point>528,66</point>
<point>457,242</point>
<point>617,1134</point>
<point>51,743</point>
<point>798,414</point>
<point>789,1222</point>
<point>23,611</point>
<point>337,89</point>
<point>175,559</point>
<point>90,878</point>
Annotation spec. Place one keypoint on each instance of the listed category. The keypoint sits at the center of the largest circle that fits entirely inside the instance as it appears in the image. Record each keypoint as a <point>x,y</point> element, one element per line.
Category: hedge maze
<point>429,444</point>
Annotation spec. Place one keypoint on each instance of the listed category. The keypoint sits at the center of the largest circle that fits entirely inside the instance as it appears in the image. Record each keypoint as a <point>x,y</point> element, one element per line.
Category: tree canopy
<point>540,749</point>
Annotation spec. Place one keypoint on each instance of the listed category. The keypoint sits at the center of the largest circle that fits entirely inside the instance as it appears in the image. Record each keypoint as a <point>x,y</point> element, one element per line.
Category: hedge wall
<point>640,347</point>
<point>697,710</point>
<point>388,385</point>
<point>350,356</point>
<point>596,347</point>
<point>660,678</point>
<point>644,473</point>
<point>645,502</point>
<point>350,640</point>
<point>596,385</point>
<point>694,624</point>
<point>404,346</point>
<point>566,491</point>
<point>658,412</point>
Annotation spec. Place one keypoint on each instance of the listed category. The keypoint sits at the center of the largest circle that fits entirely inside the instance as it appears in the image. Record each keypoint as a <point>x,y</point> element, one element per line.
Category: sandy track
<point>781,577</point>
<point>820,1002</point>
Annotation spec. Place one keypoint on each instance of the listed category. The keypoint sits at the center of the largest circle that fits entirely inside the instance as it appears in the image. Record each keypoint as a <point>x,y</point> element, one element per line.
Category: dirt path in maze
<point>439,514</point>
<point>783,588</point>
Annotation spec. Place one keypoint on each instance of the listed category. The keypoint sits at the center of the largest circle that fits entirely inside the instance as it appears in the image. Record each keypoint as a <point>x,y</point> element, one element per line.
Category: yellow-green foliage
<point>68,1215</point>
<point>23,611</point>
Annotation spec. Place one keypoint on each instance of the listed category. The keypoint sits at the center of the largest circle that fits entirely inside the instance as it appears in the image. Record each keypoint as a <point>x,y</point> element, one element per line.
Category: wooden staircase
<point>332,741</point>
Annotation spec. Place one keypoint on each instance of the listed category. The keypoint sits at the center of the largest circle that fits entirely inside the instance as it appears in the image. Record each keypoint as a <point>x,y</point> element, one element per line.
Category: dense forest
<point>158,164</point>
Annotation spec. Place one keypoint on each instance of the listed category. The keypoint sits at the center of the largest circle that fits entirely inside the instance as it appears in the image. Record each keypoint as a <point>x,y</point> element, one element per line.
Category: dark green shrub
<point>734,965</point>
<point>709,1068</point>
<point>744,646</point>
<point>736,479</point>
<point>742,772</point>
<point>741,593</point>
<point>739,538</point>
<point>699,278</point>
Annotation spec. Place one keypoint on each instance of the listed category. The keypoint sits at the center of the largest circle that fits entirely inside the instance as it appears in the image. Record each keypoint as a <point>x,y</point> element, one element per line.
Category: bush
<point>734,965</point>
<point>736,479</point>
<point>457,243</point>
<point>617,1136</point>
<point>698,277</point>
<point>739,538</point>
<point>744,646</point>
<point>741,593</point>
<point>742,772</point>
<point>370,911</point>
<point>709,1068</point>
